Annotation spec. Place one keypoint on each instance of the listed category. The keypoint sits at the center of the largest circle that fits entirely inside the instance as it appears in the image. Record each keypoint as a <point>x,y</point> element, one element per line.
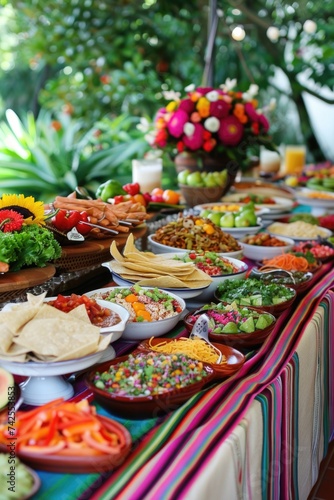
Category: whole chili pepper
<point>132,188</point>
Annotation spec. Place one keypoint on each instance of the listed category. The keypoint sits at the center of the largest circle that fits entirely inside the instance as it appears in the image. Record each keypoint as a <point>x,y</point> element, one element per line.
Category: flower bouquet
<point>213,123</point>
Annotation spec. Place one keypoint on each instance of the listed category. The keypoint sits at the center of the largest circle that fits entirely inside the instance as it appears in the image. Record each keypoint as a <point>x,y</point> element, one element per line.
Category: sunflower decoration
<point>17,210</point>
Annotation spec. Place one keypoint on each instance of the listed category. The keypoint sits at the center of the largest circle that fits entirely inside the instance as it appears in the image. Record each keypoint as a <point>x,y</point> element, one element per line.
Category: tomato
<point>171,197</point>
<point>157,192</point>
<point>139,198</point>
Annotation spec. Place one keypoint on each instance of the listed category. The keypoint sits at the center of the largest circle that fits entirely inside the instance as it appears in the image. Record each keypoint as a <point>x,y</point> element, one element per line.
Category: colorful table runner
<point>170,452</point>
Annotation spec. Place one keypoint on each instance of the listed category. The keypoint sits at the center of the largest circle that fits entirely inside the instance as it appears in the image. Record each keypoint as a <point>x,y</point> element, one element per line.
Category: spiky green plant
<point>46,157</point>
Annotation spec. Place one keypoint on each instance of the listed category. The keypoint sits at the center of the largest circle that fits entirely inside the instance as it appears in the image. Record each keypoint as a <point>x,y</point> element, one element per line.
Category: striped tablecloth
<point>173,455</point>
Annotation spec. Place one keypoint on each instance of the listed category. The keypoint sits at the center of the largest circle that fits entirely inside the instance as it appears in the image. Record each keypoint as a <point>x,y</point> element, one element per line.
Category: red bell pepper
<point>65,220</point>
<point>132,188</point>
<point>83,228</point>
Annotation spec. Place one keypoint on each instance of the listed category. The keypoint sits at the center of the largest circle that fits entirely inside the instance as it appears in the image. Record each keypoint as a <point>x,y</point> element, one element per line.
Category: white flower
<point>251,93</point>
<point>212,124</point>
<point>150,138</point>
<point>190,88</point>
<point>189,129</point>
<point>143,125</point>
<point>212,96</point>
<point>171,95</point>
<point>229,84</point>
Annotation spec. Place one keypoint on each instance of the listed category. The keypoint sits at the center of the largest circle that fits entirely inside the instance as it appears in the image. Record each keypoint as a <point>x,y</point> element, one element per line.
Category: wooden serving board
<point>26,278</point>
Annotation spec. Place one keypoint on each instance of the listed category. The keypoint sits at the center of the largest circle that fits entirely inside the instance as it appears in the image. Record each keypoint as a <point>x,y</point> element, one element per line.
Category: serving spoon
<point>276,272</point>
<point>201,330</point>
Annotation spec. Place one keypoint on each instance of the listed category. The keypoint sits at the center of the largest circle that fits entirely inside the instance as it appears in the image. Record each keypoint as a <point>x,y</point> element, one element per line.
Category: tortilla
<point>59,338</point>
<point>37,331</point>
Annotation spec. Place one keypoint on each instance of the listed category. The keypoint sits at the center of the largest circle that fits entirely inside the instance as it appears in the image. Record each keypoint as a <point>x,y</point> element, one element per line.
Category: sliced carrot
<point>131,298</point>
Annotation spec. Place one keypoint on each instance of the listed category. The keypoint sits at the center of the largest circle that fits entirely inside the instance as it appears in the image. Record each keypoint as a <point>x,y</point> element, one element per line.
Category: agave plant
<point>46,157</point>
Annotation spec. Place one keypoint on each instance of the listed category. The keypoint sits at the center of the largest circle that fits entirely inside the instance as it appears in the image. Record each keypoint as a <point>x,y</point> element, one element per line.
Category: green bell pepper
<point>109,189</point>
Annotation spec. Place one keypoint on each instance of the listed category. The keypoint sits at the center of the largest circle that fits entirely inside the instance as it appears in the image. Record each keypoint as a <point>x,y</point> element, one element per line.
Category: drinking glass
<point>294,159</point>
<point>147,173</point>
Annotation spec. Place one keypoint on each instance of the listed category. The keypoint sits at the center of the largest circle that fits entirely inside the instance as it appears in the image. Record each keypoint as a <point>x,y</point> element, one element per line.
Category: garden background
<point>81,79</point>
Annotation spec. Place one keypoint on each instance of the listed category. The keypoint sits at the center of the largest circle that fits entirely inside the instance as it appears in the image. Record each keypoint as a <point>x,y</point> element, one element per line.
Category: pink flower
<point>231,131</point>
<point>177,122</point>
<point>187,105</point>
<point>264,123</point>
<point>251,112</point>
<point>219,109</point>
<point>204,90</point>
<point>194,141</point>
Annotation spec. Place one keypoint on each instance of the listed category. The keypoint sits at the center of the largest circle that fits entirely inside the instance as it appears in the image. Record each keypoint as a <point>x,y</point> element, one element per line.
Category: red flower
<point>187,105</point>
<point>10,221</point>
<point>219,109</point>
<point>231,131</point>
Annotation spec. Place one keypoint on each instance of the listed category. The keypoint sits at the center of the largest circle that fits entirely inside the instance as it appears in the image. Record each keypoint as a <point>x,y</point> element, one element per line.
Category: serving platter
<point>45,381</point>
<point>281,204</point>
<point>74,464</point>
<point>303,198</point>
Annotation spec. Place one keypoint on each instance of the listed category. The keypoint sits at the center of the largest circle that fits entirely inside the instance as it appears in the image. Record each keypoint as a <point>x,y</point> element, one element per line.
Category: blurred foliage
<point>105,62</point>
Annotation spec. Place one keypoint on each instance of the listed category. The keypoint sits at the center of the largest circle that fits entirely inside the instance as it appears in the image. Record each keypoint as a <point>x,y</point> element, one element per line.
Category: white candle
<point>147,173</point>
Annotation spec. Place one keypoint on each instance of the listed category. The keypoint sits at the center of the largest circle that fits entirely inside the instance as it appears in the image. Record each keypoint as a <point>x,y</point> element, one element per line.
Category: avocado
<point>230,327</point>
<point>261,323</point>
<point>248,325</point>
<point>6,386</point>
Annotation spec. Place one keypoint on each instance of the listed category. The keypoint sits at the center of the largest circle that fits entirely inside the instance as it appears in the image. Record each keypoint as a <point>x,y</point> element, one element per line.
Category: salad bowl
<point>272,298</point>
<point>250,326</point>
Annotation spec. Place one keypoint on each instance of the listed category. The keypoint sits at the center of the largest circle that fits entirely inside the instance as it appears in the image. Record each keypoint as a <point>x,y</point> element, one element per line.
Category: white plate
<point>303,199</point>
<point>327,234</point>
<point>240,232</point>
<point>280,205</point>
<point>45,381</point>
<point>259,209</point>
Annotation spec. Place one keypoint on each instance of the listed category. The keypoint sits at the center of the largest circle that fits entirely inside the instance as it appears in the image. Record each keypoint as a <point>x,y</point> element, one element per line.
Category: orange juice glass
<point>294,160</point>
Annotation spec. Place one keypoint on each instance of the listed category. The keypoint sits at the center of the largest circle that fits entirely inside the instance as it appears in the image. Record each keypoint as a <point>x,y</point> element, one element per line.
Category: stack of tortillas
<point>148,269</point>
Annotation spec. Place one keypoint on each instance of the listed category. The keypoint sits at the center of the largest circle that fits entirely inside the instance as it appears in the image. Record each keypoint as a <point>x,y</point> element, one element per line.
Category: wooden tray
<point>13,284</point>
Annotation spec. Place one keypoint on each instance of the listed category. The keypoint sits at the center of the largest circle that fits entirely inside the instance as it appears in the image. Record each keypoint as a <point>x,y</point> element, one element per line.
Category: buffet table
<point>261,433</point>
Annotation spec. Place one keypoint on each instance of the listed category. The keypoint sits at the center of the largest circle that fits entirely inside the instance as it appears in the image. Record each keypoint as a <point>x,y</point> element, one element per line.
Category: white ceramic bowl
<point>144,330</point>
<point>240,232</point>
<point>158,248</point>
<point>258,253</point>
<point>325,233</point>
<point>208,294</point>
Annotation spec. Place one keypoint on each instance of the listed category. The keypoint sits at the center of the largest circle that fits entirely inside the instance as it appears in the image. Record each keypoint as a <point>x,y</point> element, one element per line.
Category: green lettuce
<point>33,245</point>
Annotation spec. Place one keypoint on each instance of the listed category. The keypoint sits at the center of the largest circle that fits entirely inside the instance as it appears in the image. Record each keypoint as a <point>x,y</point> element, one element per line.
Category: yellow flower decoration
<point>203,107</point>
<point>171,106</point>
<point>32,211</point>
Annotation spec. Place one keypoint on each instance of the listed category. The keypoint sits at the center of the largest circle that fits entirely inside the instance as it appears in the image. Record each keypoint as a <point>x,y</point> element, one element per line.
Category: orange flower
<point>239,112</point>
<point>195,117</point>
